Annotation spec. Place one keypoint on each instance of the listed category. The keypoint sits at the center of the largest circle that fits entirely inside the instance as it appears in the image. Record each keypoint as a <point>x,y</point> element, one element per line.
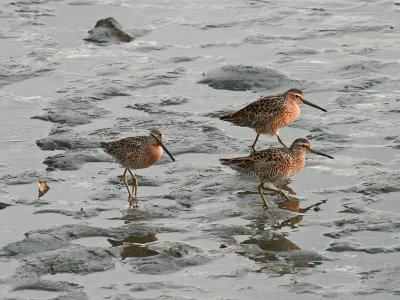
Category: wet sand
<point>200,232</point>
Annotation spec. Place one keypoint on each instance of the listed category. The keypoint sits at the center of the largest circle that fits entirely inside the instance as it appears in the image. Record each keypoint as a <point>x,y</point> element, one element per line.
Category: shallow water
<point>210,237</point>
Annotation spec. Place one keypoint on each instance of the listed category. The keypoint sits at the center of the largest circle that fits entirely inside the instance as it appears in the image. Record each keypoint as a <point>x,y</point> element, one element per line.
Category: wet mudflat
<point>200,232</point>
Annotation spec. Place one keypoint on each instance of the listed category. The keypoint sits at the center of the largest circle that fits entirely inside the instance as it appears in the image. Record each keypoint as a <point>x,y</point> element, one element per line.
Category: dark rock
<point>108,31</point>
<point>242,78</point>
<point>3,205</point>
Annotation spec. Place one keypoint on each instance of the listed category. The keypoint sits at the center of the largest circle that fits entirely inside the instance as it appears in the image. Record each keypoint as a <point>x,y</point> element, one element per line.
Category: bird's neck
<point>299,160</point>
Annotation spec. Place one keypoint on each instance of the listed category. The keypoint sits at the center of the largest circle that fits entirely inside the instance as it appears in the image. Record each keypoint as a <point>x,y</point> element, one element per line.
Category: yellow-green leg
<point>253,147</point>
<point>280,192</point>
<point>130,196</point>
<point>280,141</point>
<point>134,186</point>
<point>260,191</point>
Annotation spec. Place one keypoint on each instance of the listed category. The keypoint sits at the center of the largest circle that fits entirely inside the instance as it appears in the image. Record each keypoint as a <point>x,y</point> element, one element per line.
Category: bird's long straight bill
<point>320,153</point>
<point>166,150</point>
<point>314,105</point>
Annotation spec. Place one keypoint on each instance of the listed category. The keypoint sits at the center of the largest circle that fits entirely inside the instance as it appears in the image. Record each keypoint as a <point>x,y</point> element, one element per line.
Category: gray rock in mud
<point>3,205</point>
<point>242,78</point>
<point>108,31</point>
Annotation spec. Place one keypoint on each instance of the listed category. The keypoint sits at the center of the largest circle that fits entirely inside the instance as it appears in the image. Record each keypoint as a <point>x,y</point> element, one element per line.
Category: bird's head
<point>296,96</point>
<point>303,146</point>
<point>158,137</point>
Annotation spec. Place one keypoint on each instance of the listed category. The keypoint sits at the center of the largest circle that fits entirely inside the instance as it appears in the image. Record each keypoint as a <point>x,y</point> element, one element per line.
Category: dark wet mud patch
<point>378,280</point>
<point>373,221</point>
<point>152,106</point>
<point>45,240</point>
<point>23,68</point>
<point>80,214</point>
<point>153,286</point>
<point>73,160</point>
<point>74,259</point>
<point>242,78</point>
<point>304,288</point>
<point>73,115</point>
<point>349,246</point>
<point>149,211</point>
<point>49,286</point>
<point>142,180</point>
<point>67,140</point>
<point>28,177</point>
<point>323,134</point>
<point>52,251</point>
<point>31,10</point>
<point>370,188</point>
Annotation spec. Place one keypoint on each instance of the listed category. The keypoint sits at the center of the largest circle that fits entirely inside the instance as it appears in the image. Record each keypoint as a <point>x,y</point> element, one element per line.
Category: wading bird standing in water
<point>136,153</point>
<point>273,164</point>
<point>269,114</point>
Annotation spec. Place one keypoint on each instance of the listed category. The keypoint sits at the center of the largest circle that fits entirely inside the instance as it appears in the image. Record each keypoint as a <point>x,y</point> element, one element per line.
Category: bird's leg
<point>260,191</point>
<point>280,141</point>
<point>280,192</point>
<point>124,179</point>
<point>134,186</point>
<point>253,147</point>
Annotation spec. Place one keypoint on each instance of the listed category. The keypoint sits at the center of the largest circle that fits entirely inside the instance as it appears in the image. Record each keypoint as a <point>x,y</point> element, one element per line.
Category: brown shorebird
<point>273,165</point>
<point>137,152</point>
<point>269,114</point>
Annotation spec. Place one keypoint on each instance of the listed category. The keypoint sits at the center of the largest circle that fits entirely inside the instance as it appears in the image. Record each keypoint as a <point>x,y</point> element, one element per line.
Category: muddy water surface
<point>200,232</point>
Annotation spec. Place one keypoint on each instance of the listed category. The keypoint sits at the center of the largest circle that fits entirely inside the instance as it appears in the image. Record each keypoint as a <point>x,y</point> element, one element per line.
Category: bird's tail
<point>234,163</point>
<point>226,117</point>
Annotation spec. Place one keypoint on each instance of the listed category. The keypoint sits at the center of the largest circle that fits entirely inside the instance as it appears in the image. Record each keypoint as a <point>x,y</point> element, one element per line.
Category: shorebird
<point>273,164</point>
<point>269,114</point>
<point>137,152</point>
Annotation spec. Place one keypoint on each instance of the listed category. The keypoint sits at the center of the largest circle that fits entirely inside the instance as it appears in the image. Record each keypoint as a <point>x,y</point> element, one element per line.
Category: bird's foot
<point>131,200</point>
<point>284,196</point>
